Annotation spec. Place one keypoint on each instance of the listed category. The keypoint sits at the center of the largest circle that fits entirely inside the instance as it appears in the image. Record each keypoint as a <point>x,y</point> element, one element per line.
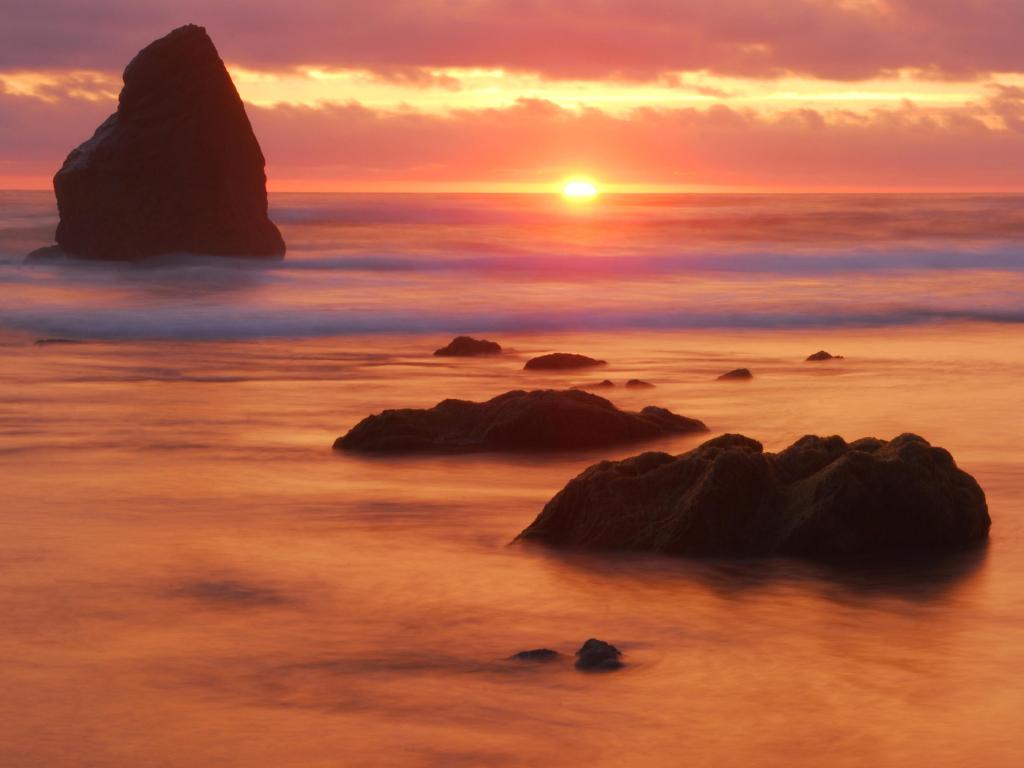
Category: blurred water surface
<point>189,576</point>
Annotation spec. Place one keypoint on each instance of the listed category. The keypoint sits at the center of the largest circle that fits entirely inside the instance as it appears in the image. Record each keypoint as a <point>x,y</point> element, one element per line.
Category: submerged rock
<point>604,384</point>
<point>49,341</point>
<point>596,655</point>
<point>820,498</point>
<point>537,654</point>
<point>467,346</point>
<point>176,168</point>
<point>740,374</point>
<point>639,384</point>
<point>561,361</point>
<point>822,355</point>
<point>542,420</point>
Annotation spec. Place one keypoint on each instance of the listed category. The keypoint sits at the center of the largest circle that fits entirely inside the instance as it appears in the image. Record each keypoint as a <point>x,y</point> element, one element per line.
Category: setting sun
<point>579,189</point>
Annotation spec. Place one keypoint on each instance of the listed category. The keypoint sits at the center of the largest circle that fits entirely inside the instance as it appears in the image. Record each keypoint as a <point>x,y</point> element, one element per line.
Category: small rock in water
<point>639,384</point>
<point>740,374</point>
<point>44,342</point>
<point>596,385</point>
<point>467,346</point>
<point>597,654</point>
<point>560,361</point>
<point>823,355</point>
<point>536,654</point>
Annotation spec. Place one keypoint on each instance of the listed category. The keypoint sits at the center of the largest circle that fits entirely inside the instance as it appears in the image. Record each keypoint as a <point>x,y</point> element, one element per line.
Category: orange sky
<point>496,95</point>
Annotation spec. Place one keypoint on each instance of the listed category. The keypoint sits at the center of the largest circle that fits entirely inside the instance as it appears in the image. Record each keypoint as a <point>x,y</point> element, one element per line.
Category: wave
<point>234,323</point>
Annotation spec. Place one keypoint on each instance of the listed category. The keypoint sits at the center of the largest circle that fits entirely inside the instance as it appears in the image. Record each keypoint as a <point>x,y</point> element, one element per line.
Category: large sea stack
<point>176,169</point>
<point>821,498</point>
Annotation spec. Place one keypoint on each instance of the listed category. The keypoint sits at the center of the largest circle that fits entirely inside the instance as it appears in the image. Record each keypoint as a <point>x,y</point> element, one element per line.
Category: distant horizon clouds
<point>731,94</point>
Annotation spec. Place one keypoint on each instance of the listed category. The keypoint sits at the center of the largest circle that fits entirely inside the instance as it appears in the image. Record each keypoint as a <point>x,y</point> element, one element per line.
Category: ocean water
<point>498,263</point>
<point>190,576</point>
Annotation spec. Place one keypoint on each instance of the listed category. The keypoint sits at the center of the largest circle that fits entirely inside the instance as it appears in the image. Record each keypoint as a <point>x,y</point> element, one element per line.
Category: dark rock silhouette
<point>176,169</point>
<point>820,498</point>
<point>822,355</point>
<point>542,420</point>
<point>604,384</point>
<point>740,374</point>
<point>561,361</point>
<point>48,342</point>
<point>639,384</point>
<point>596,655</point>
<point>467,346</point>
<point>537,654</point>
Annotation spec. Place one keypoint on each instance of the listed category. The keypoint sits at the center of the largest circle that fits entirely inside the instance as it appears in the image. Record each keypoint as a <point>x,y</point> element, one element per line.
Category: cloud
<point>537,141</point>
<point>642,39</point>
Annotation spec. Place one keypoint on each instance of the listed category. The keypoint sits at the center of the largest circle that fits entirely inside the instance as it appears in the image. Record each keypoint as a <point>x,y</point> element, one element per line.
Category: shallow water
<point>190,576</point>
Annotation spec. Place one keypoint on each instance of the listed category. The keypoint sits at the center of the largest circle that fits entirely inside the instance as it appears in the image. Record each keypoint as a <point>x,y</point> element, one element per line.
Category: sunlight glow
<point>579,189</point>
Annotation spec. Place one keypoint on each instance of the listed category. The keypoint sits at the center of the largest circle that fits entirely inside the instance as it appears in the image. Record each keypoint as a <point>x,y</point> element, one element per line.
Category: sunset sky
<point>521,94</point>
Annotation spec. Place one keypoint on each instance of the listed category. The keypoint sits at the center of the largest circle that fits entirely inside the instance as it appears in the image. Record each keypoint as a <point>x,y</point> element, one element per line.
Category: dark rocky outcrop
<point>595,655</point>
<point>639,384</point>
<point>821,355</point>
<point>537,654</point>
<point>604,384</point>
<point>561,361</point>
<point>467,346</point>
<point>820,498</point>
<point>542,420</point>
<point>740,374</point>
<point>175,169</point>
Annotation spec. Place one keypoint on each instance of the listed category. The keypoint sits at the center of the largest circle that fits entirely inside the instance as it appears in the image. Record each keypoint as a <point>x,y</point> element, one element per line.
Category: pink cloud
<point>537,141</point>
<point>558,38</point>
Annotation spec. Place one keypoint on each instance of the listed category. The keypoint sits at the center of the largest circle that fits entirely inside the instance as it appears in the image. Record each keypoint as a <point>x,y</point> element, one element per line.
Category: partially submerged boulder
<point>542,420</point>
<point>536,654</point>
<point>603,384</point>
<point>739,374</point>
<point>561,361</point>
<point>639,384</point>
<point>820,498</point>
<point>595,655</point>
<point>467,346</point>
<point>175,169</point>
<point>822,355</point>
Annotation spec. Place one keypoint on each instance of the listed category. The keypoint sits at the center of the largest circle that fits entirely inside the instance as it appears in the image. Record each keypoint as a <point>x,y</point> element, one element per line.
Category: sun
<point>579,189</point>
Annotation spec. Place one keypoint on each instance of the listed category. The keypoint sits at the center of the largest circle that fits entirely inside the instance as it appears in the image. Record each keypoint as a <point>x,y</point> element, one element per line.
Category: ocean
<point>190,576</point>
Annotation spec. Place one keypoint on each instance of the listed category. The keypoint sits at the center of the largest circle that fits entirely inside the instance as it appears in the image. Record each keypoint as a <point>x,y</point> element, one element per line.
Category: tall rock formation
<point>176,169</point>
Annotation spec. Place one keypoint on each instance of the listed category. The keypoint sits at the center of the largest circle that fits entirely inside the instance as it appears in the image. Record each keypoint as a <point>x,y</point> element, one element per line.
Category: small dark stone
<point>542,420</point>
<point>537,654</point>
<point>596,655</point>
<point>639,384</point>
<point>467,346</point>
<point>606,384</point>
<point>561,361</point>
<point>45,342</point>
<point>822,355</point>
<point>740,374</point>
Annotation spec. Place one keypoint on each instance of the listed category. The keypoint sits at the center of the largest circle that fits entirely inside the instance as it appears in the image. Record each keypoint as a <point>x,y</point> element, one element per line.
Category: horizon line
<point>538,188</point>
